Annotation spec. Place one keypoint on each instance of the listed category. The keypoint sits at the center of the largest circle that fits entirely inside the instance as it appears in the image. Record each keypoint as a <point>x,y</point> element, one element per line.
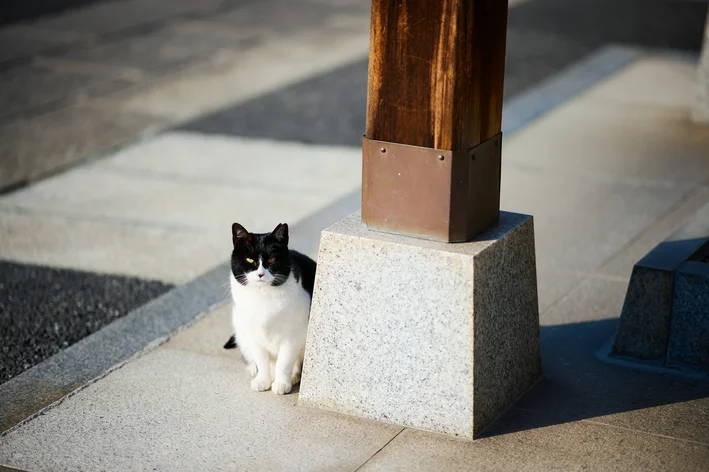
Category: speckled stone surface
<point>644,327</point>
<point>441,337</point>
<point>689,332</point>
<point>645,320</point>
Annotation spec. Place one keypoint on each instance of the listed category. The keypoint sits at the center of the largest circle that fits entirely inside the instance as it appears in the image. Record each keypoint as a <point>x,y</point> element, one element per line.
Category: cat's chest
<point>265,303</point>
<point>269,302</point>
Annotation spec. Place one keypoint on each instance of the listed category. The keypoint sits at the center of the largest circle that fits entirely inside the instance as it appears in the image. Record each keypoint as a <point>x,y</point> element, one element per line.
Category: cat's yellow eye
<point>271,260</point>
<point>249,260</point>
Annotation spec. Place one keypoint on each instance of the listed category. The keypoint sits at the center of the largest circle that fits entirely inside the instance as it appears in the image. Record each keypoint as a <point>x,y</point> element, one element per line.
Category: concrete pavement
<point>608,170</point>
<point>81,85</point>
<point>625,168</point>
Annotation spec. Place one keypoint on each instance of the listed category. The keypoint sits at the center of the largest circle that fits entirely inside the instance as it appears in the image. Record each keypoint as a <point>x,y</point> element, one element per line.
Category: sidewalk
<point>607,175</point>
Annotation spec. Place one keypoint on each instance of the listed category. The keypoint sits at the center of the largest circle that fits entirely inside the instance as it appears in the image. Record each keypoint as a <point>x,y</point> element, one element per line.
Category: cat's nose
<point>260,275</point>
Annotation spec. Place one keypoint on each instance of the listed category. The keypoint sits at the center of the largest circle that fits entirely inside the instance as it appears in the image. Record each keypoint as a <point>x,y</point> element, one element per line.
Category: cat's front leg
<point>252,369</point>
<point>287,357</point>
<point>262,359</point>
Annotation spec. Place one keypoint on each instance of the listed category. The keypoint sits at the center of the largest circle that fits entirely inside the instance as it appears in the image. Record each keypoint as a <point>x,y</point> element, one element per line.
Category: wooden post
<point>436,73</point>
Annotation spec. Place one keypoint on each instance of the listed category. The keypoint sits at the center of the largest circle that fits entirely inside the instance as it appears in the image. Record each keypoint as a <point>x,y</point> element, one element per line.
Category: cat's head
<point>260,259</point>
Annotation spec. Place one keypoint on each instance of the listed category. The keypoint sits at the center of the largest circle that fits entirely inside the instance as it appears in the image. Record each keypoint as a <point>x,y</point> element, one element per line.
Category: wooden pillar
<point>431,152</point>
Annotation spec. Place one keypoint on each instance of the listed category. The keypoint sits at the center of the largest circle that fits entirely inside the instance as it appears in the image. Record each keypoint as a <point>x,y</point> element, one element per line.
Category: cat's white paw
<point>281,388</point>
<point>252,370</point>
<point>295,378</point>
<point>260,385</point>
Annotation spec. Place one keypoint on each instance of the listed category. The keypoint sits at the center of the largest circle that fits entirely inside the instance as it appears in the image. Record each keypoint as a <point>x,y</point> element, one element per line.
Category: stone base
<point>665,317</point>
<point>435,336</point>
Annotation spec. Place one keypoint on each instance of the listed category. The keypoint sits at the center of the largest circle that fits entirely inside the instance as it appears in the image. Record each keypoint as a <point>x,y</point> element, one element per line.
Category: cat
<point>271,287</point>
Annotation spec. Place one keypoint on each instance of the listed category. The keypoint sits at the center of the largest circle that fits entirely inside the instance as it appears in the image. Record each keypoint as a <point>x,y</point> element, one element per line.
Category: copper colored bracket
<point>448,196</point>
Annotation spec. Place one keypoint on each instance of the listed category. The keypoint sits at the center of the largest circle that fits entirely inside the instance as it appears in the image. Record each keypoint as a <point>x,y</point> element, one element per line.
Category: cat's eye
<point>249,260</point>
<point>271,260</point>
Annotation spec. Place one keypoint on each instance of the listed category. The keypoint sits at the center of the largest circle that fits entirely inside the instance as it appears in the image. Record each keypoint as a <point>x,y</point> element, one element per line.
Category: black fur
<point>231,344</point>
<point>272,250</point>
<point>304,267</point>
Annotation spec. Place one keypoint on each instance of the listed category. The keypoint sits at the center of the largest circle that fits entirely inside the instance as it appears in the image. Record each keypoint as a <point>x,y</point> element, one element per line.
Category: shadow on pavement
<point>577,385</point>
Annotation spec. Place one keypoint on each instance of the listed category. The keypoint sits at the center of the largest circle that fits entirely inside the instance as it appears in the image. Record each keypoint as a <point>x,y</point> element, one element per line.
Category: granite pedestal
<point>665,317</point>
<point>435,336</point>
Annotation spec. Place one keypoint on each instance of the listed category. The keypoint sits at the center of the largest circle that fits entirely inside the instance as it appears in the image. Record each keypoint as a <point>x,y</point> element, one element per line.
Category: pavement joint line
<point>695,192</point>
<point>187,303</point>
<point>638,431</point>
<point>381,449</point>
<point>597,273</point>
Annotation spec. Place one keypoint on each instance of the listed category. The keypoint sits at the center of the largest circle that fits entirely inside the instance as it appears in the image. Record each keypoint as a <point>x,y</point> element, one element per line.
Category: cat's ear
<point>280,234</point>
<point>239,235</point>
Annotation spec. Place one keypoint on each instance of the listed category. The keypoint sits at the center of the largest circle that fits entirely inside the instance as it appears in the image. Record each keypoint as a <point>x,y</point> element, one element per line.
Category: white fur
<point>270,325</point>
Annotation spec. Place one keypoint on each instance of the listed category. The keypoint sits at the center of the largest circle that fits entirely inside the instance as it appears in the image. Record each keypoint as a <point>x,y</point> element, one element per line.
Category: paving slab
<point>517,442</point>
<point>100,190</point>
<point>155,199</point>
<point>176,410</point>
<point>263,68</point>
<point>286,18</point>
<point>622,263</point>
<point>598,216</point>
<point>33,147</point>
<point>135,250</point>
<point>271,166</point>
<point>109,17</point>
<point>209,334</point>
<point>553,284</point>
<point>24,89</point>
<point>164,49</point>
<point>639,82</point>
<point>633,142</point>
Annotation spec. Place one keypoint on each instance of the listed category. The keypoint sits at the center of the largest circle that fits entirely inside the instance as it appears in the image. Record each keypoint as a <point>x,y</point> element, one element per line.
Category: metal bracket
<point>448,196</point>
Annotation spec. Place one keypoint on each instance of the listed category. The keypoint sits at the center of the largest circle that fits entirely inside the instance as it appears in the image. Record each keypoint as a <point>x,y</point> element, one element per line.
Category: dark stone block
<point>689,328</point>
<point>644,323</point>
<point>644,327</point>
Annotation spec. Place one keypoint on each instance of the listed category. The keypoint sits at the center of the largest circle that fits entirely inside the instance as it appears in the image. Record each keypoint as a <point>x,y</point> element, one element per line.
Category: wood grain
<point>436,72</point>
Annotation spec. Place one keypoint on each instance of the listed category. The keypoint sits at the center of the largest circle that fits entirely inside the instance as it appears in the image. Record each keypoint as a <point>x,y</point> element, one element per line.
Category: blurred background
<point>133,132</point>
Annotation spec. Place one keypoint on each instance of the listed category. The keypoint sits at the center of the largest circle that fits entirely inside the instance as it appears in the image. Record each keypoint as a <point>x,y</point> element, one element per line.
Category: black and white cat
<point>272,287</point>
